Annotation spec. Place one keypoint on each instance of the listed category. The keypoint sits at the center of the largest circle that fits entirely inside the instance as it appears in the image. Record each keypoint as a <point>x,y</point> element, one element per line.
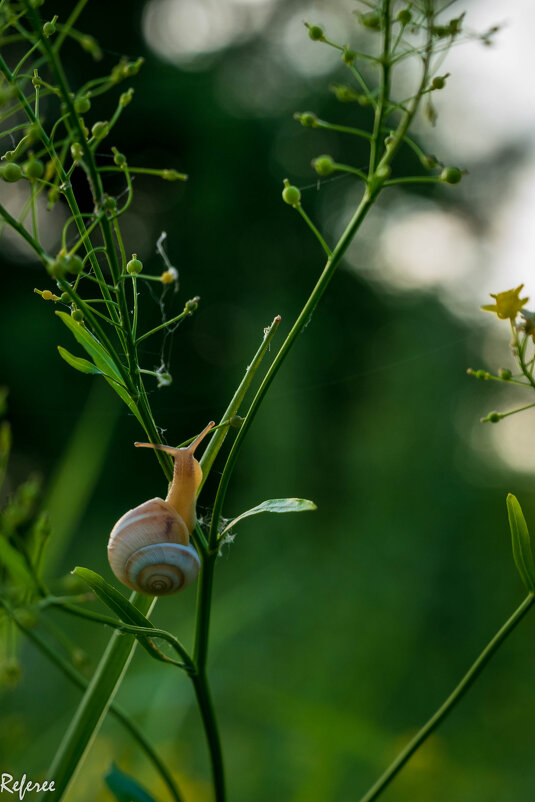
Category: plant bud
<point>308,119</point>
<point>82,104</point>
<point>10,172</point>
<point>451,175</point>
<point>135,265</point>
<point>291,195</point>
<point>315,33</point>
<point>34,169</point>
<point>77,151</point>
<point>404,16</point>
<point>100,130</point>
<point>324,165</point>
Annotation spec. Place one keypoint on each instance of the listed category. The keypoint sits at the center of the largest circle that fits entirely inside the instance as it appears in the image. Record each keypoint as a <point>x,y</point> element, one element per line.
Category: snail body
<point>149,548</point>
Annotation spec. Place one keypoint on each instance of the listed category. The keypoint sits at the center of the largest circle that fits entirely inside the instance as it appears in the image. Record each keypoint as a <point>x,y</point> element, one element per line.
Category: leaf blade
<point>274,505</point>
<point>521,543</point>
<point>78,363</point>
<point>125,788</point>
<point>119,604</point>
<point>102,360</point>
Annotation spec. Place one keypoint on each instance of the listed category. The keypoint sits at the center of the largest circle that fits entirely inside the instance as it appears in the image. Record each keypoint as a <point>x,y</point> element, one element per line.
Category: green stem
<point>206,708</point>
<point>164,325</point>
<point>95,704</point>
<point>385,87</point>
<point>214,446</point>
<point>302,320</point>
<point>121,716</point>
<point>468,679</point>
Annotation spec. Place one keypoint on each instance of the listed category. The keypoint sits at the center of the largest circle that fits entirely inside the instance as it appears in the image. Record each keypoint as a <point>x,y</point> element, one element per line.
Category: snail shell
<point>149,548</point>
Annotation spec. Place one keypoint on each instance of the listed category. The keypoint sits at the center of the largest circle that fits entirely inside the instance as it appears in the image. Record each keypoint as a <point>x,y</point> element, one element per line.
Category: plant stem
<point>93,707</point>
<point>206,708</point>
<point>81,682</point>
<point>469,678</point>
<point>302,320</point>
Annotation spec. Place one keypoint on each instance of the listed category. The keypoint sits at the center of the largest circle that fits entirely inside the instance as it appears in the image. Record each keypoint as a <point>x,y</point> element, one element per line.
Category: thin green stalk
<point>469,678</point>
<point>297,328</point>
<point>23,233</point>
<point>94,706</point>
<point>385,87</point>
<point>164,325</point>
<point>117,712</point>
<point>150,632</point>
<point>216,441</point>
<point>314,230</point>
<point>206,708</point>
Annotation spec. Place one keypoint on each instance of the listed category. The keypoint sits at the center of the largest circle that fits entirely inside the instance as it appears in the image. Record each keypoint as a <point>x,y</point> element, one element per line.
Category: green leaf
<point>102,360</point>
<point>76,362</point>
<point>125,788</point>
<point>120,605</point>
<point>274,505</point>
<point>522,551</point>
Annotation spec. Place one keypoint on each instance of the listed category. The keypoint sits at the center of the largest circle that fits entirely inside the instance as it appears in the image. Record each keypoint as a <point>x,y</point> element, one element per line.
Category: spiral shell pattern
<point>149,550</point>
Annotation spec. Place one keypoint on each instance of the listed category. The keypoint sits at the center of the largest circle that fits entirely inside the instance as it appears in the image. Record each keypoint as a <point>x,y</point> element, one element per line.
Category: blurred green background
<point>335,634</point>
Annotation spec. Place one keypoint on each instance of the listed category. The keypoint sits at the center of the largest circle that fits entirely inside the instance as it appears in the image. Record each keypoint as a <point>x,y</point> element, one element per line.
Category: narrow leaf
<point>521,541</point>
<point>120,605</point>
<point>102,360</point>
<point>274,505</point>
<point>76,362</point>
<point>125,788</point>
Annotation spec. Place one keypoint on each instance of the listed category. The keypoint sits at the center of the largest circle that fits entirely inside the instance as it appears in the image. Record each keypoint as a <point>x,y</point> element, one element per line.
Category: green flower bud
<point>134,265</point>
<point>126,97</point>
<point>77,151</point>
<point>49,29</point>
<point>82,104</point>
<point>439,82</point>
<point>451,175</point>
<point>77,315</point>
<point>344,94</point>
<point>119,158</point>
<point>323,165</point>
<point>348,56</point>
<point>505,374</point>
<point>132,68</point>
<point>192,305</point>
<point>371,19</point>
<point>65,298</point>
<point>73,264</point>
<point>315,33</point>
<point>34,169</point>
<point>291,195</point>
<point>100,130</point>
<point>308,119</point>
<point>493,417</point>
<point>109,203</point>
<point>404,16</point>
<point>10,172</point>
<point>236,421</point>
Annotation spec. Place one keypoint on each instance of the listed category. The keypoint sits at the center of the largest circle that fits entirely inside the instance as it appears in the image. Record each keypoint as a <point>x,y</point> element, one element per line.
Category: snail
<point>149,548</point>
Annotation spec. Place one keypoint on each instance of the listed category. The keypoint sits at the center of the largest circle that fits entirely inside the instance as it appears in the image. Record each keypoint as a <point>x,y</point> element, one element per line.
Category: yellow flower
<point>508,304</point>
